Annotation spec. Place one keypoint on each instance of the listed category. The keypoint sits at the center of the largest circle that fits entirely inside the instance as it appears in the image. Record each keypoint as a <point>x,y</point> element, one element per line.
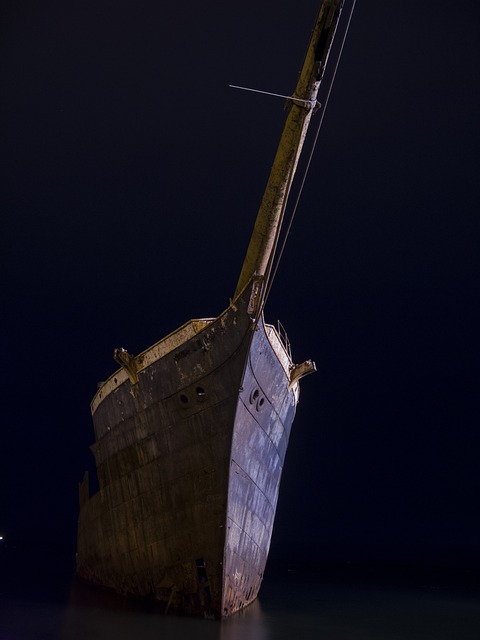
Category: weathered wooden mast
<point>260,252</point>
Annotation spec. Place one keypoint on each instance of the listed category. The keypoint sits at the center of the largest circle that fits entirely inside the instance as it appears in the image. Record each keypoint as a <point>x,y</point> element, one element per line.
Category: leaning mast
<point>302,104</point>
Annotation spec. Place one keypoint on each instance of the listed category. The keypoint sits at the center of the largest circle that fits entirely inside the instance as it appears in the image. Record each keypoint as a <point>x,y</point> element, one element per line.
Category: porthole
<point>183,398</point>
<point>201,393</point>
<point>254,396</point>
<point>260,403</point>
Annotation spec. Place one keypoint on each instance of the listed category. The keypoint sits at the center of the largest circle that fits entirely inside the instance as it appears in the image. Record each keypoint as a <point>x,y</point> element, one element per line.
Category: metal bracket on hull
<point>300,370</point>
<point>128,363</point>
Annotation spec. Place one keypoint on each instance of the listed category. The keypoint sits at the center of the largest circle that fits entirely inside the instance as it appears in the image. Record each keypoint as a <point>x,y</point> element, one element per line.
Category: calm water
<point>40,600</point>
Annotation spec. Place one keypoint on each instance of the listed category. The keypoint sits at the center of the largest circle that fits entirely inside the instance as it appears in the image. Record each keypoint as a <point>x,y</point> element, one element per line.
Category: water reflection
<point>302,608</point>
<point>247,624</point>
<point>40,600</point>
<point>93,613</point>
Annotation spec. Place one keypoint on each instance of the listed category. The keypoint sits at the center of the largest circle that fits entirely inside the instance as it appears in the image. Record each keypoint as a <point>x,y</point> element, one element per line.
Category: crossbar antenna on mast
<point>313,104</point>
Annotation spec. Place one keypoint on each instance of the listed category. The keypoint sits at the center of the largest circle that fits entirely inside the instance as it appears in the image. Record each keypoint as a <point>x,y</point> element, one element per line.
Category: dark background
<point>131,177</point>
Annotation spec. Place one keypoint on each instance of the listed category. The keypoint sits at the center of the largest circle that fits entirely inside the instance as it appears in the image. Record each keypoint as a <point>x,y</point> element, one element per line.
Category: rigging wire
<point>311,103</point>
<point>309,161</point>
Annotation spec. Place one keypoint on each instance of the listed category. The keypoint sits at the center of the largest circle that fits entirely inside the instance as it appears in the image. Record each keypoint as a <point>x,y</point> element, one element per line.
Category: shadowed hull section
<point>189,451</point>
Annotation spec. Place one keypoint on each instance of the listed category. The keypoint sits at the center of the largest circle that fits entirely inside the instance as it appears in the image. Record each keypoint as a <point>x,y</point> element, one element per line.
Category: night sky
<point>131,177</point>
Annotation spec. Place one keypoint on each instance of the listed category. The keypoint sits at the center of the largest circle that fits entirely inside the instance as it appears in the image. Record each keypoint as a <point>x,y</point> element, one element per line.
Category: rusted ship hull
<point>191,435</point>
<point>190,442</point>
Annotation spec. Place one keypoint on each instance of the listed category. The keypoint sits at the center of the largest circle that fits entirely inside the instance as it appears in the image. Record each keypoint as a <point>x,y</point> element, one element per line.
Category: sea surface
<point>40,599</point>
